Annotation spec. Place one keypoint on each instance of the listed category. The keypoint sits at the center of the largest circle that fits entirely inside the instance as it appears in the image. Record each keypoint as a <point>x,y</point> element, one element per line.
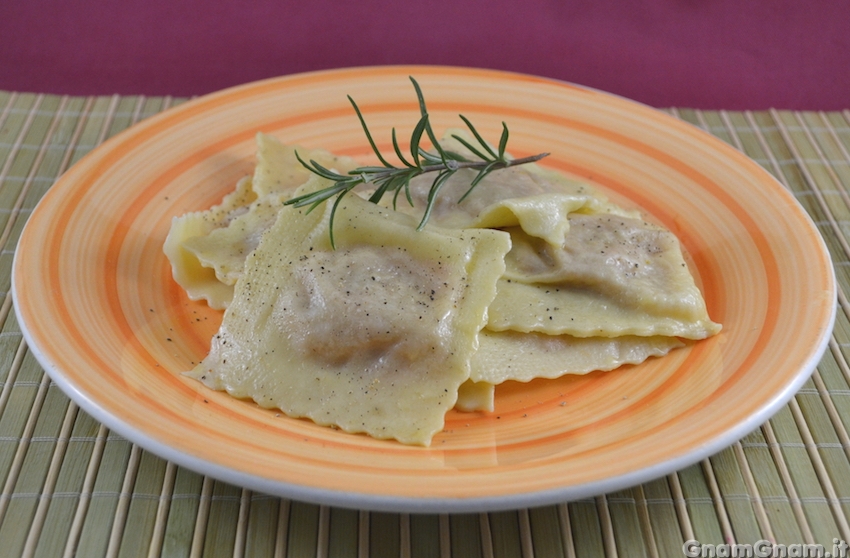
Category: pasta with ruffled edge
<point>371,337</point>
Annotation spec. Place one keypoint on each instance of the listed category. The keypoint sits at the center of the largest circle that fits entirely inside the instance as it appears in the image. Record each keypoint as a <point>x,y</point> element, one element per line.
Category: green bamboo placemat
<point>70,487</point>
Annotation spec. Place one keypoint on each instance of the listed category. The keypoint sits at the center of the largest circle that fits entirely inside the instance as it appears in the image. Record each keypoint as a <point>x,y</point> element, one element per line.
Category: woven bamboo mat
<point>70,487</point>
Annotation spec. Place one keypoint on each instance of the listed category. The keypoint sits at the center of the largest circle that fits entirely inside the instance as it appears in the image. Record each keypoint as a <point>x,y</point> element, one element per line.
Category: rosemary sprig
<point>390,178</point>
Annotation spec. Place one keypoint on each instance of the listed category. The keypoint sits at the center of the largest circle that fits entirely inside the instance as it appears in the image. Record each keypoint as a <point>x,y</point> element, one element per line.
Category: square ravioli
<point>614,275</point>
<point>375,336</point>
<point>207,249</point>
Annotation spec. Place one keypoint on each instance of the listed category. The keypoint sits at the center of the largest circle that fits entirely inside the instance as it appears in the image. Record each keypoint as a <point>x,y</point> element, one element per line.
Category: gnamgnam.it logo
<point>765,549</point>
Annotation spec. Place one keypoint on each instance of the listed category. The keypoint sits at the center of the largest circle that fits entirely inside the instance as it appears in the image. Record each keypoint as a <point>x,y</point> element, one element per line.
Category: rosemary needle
<point>390,178</point>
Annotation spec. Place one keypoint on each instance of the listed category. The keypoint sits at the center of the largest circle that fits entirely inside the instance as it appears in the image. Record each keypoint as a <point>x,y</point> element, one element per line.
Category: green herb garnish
<point>393,178</point>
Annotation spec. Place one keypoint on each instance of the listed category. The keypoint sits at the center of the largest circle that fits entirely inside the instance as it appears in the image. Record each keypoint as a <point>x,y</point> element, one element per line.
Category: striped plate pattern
<point>98,308</point>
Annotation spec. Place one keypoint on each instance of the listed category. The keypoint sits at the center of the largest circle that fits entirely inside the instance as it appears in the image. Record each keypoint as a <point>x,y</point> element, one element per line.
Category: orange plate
<point>99,309</point>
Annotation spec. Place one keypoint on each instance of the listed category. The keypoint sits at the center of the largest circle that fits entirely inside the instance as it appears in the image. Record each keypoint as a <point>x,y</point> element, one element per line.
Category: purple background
<point>732,54</point>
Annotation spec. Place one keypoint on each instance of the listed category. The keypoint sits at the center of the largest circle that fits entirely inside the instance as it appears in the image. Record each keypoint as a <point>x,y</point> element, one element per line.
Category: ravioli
<point>530,196</point>
<point>372,337</point>
<point>225,249</point>
<point>207,249</point>
<point>278,170</point>
<point>513,356</point>
<point>613,276</point>
<point>198,279</point>
<point>510,355</point>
